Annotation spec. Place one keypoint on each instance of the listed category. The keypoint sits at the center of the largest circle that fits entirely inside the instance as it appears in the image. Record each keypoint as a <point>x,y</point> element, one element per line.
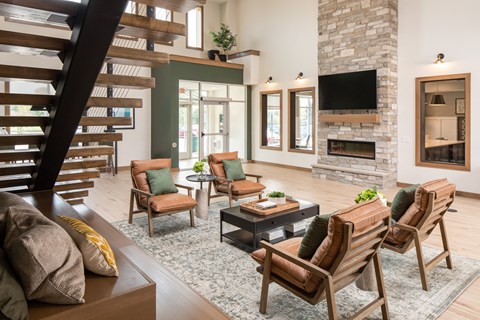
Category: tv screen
<point>352,90</point>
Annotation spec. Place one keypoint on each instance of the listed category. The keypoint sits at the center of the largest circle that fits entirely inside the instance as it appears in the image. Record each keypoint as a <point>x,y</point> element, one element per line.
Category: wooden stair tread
<point>105,121</point>
<point>22,121</point>
<point>16,139</point>
<point>16,168</point>
<point>73,194</point>
<point>26,99</point>
<point>96,137</point>
<point>79,174</point>
<point>73,185</point>
<point>89,151</point>
<point>71,164</point>
<point>15,181</point>
<point>182,6</point>
<point>25,43</point>
<point>103,102</point>
<point>28,73</point>
<point>136,57</point>
<point>17,189</point>
<point>127,82</point>
<point>27,8</point>
<point>14,155</point>
<point>73,202</point>
<point>149,28</point>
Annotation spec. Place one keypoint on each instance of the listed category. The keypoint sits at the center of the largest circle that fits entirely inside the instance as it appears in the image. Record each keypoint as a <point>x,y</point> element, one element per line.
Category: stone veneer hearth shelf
<point>355,36</point>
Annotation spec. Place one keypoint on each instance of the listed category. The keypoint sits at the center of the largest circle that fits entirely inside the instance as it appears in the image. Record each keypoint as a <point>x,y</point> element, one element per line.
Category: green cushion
<point>13,304</point>
<point>233,169</point>
<point>402,201</point>
<point>316,232</point>
<point>161,181</point>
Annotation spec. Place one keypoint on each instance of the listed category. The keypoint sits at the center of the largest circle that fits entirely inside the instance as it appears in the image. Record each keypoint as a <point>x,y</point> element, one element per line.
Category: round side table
<point>201,194</point>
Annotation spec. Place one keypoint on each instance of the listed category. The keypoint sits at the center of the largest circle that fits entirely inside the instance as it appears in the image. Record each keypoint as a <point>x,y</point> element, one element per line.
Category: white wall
<point>427,28</point>
<point>285,33</point>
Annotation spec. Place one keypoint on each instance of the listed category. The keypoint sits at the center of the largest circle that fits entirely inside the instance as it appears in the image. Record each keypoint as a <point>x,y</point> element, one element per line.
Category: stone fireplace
<point>353,36</point>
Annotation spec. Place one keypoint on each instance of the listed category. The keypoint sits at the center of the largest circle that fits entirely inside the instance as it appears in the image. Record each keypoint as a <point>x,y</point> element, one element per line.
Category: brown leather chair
<point>354,238</point>
<point>229,188</point>
<point>432,200</point>
<point>156,205</point>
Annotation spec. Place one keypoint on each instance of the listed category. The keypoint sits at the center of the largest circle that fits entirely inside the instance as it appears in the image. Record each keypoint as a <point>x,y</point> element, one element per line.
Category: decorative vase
<point>223,57</point>
<point>278,200</point>
<point>211,54</point>
<point>201,175</point>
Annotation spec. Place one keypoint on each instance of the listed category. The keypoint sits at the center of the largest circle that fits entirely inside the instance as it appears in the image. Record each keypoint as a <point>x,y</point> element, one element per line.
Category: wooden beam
<point>26,99</point>
<point>97,137</point>
<point>21,121</point>
<point>103,102</point>
<point>73,185</point>
<point>105,121</point>
<point>94,27</point>
<point>16,155</point>
<point>16,139</point>
<point>174,57</point>
<point>245,53</point>
<point>182,6</point>
<point>14,181</point>
<point>16,168</point>
<point>136,57</point>
<point>78,174</point>
<point>28,73</point>
<point>127,82</point>
<point>71,164</point>
<point>150,29</point>
<point>352,118</point>
<point>25,43</point>
<point>88,151</point>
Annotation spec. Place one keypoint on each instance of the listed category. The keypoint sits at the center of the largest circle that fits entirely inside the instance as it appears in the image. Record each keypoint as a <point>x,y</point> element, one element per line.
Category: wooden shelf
<point>174,57</point>
<point>354,118</point>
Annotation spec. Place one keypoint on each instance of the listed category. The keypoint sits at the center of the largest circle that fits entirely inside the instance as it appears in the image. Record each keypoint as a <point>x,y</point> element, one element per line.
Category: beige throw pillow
<point>44,257</point>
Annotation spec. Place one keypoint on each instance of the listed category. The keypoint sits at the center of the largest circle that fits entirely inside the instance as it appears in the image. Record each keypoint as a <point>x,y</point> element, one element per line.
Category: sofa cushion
<point>13,304</point>
<point>7,200</point>
<point>403,200</point>
<point>242,187</point>
<point>160,181</point>
<point>98,256</point>
<point>139,175</point>
<point>44,257</point>
<point>172,202</point>
<point>316,232</point>
<point>233,169</point>
<point>219,157</point>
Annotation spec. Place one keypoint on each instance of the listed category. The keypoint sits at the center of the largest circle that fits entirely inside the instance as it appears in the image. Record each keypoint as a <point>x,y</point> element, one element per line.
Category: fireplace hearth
<point>352,149</point>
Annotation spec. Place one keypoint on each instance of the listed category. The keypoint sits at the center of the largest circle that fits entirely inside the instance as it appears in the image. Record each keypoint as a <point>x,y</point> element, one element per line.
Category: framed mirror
<point>271,120</point>
<point>301,120</point>
<point>443,122</point>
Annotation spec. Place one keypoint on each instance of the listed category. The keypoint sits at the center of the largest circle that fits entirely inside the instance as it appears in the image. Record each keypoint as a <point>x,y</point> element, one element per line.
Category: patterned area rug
<point>226,275</point>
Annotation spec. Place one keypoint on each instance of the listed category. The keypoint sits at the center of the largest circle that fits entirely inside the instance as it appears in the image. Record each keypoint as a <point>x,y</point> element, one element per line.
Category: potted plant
<point>225,40</point>
<point>277,197</point>
<point>369,194</point>
<point>199,167</point>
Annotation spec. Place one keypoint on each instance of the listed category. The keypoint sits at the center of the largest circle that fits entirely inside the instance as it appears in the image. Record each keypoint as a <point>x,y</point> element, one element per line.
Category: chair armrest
<point>298,261</point>
<point>221,180</point>
<point>253,175</point>
<point>406,227</point>
<point>141,192</point>
<point>184,187</point>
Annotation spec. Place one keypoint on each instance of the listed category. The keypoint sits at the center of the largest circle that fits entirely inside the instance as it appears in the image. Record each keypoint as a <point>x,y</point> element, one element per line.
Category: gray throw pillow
<point>403,200</point>
<point>44,257</point>
<point>13,304</point>
<point>317,231</point>
<point>7,200</point>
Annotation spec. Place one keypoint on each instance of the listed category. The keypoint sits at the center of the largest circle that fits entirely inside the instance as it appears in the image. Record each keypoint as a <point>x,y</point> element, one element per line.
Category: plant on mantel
<point>225,40</point>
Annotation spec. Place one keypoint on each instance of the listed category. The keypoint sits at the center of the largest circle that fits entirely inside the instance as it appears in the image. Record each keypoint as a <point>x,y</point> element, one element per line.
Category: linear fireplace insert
<point>354,149</point>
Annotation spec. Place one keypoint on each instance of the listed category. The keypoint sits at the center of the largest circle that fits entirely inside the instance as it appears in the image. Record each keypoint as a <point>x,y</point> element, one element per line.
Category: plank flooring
<point>110,198</point>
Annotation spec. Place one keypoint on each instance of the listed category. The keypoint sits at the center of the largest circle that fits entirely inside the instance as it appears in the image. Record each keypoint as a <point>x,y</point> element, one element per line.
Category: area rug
<point>226,275</point>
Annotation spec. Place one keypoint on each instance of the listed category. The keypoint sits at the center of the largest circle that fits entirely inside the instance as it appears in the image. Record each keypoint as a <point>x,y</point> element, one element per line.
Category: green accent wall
<point>165,108</point>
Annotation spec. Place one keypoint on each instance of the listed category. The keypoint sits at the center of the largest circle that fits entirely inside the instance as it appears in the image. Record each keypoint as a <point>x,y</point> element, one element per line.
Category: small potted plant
<point>225,40</point>
<point>277,197</point>
<point>369,194</point>
<point>199,167</point>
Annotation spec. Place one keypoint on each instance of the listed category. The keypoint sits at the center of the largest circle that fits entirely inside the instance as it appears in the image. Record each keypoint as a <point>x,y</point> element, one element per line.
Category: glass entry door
<point>214,120</point>
<point>188,131</point>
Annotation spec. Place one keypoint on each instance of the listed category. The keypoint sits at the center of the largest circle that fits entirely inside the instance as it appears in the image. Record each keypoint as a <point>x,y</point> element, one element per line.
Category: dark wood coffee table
<point>252,225</point>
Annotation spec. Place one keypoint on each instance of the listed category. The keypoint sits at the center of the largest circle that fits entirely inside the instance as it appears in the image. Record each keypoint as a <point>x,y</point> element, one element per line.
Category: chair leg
<point>209,192</point>
<point>381,286</point>
<point>192,218</point>
<point>267,266</point>
<point>130,212</point>
<point>330,297</point>
<point>421,261</point>
<point>443,232</point>
<point>150,222</point>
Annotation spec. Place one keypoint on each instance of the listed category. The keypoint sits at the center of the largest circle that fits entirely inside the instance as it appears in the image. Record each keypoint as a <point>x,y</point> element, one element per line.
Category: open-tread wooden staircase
<point>54,154</point>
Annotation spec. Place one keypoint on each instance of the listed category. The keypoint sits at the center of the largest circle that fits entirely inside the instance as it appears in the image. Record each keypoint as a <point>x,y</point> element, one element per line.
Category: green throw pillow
<point>402,201</point>
<point>161,181</point>
<point>233,169</point>
<point>317,231</point>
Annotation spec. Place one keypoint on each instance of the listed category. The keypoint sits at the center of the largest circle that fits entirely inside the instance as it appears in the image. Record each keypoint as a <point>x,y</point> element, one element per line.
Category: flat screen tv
<point>352,90</point>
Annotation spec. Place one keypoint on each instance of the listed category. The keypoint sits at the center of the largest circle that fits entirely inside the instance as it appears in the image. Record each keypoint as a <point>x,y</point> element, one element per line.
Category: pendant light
<point>437,100</point>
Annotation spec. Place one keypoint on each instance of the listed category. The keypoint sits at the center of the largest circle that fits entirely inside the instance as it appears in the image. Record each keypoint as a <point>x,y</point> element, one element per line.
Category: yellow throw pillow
<point>97,255</point>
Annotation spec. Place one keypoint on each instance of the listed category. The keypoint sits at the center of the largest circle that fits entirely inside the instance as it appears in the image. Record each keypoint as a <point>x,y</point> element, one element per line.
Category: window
<point>301,122</point>
<point>443,122</point>
<point>132,7</point>
<point>194,26</point>
<point>271,109</point>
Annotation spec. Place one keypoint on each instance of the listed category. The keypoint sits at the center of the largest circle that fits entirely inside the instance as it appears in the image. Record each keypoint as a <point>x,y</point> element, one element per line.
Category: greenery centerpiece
<point>369,194</point>
<point>277,197</point>
<point>199,167</point>
<point>224,39</point>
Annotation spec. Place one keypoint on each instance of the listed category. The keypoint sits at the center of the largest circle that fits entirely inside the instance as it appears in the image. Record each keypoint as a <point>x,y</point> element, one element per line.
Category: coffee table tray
<point>250,207</point>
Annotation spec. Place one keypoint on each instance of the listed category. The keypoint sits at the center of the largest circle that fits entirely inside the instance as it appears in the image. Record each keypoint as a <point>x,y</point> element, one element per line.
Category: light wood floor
<point>110,198</point>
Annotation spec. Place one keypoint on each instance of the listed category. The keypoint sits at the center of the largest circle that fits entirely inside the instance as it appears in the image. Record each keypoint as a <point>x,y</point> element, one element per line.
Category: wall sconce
<point>440,57</point>
<point>299,76</point>
<point>269,80</point>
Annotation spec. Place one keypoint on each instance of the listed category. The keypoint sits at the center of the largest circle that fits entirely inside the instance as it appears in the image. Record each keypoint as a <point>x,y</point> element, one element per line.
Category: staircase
<point>64,148</point>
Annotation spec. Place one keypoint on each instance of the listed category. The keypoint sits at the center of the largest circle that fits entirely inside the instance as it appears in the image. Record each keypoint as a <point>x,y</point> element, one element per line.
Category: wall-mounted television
<point>352,90</point>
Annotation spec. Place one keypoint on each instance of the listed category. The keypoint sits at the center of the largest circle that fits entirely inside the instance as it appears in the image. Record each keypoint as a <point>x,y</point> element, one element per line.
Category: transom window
<point>195,28</point>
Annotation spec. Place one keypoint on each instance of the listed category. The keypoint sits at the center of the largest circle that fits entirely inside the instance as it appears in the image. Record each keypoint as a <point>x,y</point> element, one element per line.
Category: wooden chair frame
<point>229,194</point>
<point>342,273</point>
<point>436,209</point>
<point>136,193</point>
